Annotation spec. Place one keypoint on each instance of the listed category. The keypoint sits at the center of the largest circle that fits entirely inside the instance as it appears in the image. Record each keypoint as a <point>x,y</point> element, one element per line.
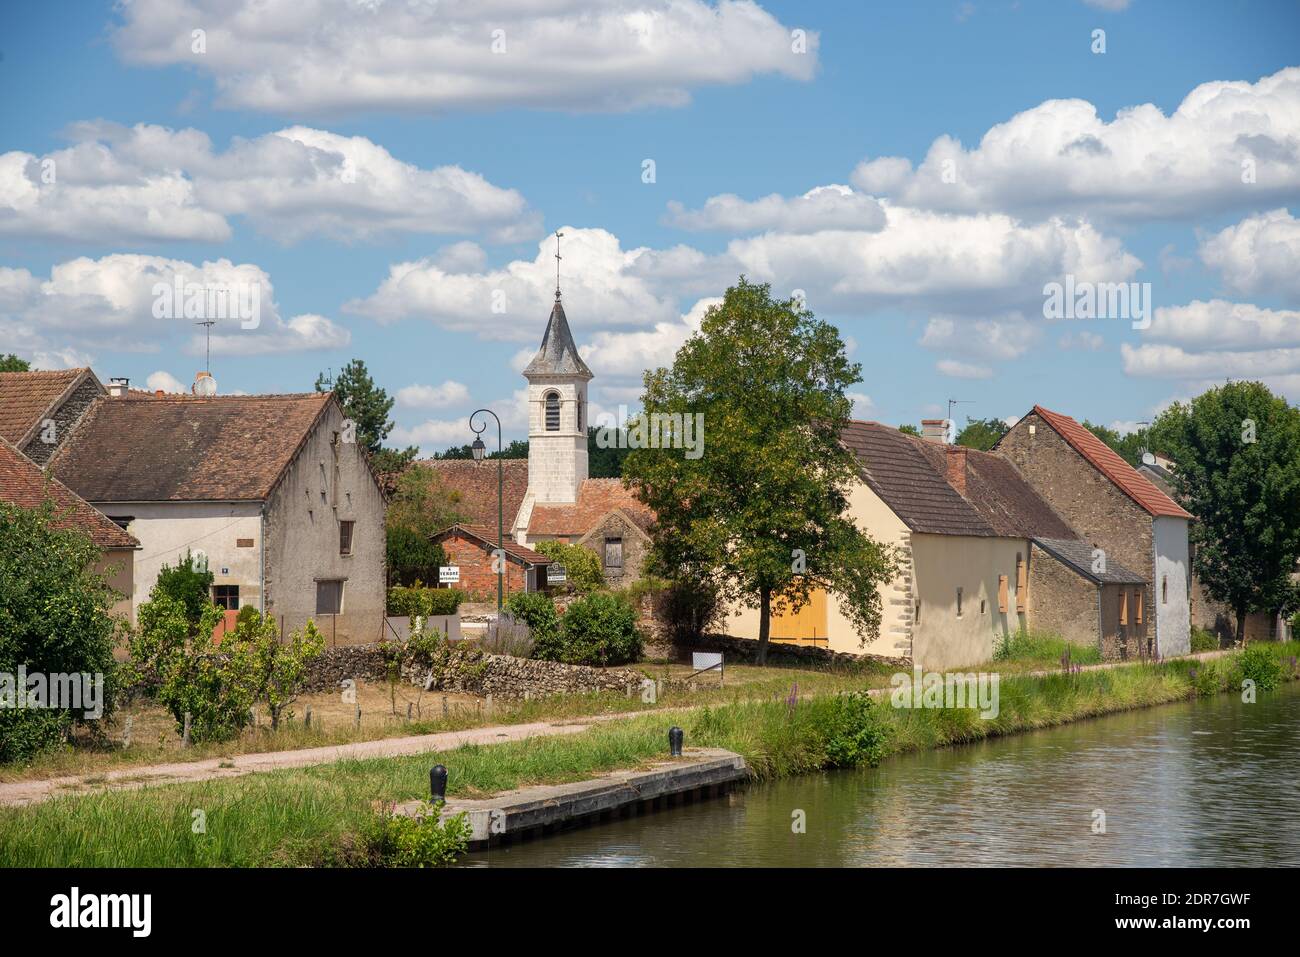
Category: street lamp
<point>478,448</point>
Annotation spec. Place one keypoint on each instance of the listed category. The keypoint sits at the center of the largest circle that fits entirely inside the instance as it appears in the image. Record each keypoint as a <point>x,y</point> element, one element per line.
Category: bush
<point>853,735</point>
<point>418,601</point>
<point>1261,665</point>
<point>1203,639</point>
<point>536,610</point>
<point>689,609</point>
<point>423,840</point>
<point>508,636</point>
<point>598,630</point>
<point>189,583</point>
<point>27,732</point>
<point>582,570</point>
<point>412,556</point>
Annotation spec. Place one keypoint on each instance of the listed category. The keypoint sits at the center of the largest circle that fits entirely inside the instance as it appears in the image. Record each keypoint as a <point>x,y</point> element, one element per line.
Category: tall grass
<point>303,816</point>
<point>1044,647</point>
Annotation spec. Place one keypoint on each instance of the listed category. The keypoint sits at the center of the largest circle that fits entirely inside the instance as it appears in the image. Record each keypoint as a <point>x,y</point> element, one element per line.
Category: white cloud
<point>1081,342</point>
<point>1259,255</point>
<point>1169,361</point>
<point>1060,157</point>
<point>991,339</point>
<point>329,56</point>
<point>152,183</point>
<point>449,392</point>
<point>1112,5</point>
<point>109,303</point>
<point>1218,324</point>
<point>435,435</point>
<point>863,406</point>
<point>165,381</point>
<point>963,370</point>
<point>826,207</point>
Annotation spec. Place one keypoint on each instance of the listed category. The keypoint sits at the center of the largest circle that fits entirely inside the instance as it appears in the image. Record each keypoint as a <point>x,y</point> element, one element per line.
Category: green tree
<point>909,429</point>
<point>277,668</point>
<point>368,406</point>
<point>1236,453</point>
<point>11,363</point>
<point>1129,447</point>
<point>516,449</point>
<point>763,511</point>
<point>582,569</point>
<point>981,434</point>
<point>420,507</point>
<point>189,582</point>
<point>606,462</point>
<point>54,619</point>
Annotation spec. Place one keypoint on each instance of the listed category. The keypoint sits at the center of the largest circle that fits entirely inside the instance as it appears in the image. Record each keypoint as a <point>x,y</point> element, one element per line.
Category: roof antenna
<point>558,236</point>
<point>952,426</point>
<point>207,357</point>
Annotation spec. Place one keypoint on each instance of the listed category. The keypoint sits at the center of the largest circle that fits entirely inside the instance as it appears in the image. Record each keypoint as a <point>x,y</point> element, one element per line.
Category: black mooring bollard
<point>675,736</point>
<point>438,784</point>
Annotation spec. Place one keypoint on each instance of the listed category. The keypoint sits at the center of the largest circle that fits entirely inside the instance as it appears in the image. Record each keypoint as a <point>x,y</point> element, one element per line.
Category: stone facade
<point>64,418</point>
<point>1063,600</point>
<point>746,650</point>
<point>557,459</point>
<point>635,545</point>
<point>1120,641</point>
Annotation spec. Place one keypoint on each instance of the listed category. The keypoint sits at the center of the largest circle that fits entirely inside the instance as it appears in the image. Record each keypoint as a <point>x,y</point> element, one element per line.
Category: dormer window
<point>552,412</point>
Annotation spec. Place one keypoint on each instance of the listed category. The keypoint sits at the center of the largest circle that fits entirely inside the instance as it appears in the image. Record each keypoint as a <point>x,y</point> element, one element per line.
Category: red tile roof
<point>596,499</point>
<point>1109,463</point>
<point>476,482</point>
<point>184,448</point>
<point>25,397</point>
<point>22,483</point>
<point>488,538</point>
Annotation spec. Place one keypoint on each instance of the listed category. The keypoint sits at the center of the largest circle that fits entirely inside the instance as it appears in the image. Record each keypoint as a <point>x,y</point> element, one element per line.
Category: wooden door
<point>808,624</point>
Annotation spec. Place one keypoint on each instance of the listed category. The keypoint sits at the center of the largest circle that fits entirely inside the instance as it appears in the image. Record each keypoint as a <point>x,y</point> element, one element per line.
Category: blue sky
<point>462,160</point>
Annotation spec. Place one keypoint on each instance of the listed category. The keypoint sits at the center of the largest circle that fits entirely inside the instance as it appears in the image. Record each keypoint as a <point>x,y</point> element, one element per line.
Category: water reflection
<point>1210,782</point>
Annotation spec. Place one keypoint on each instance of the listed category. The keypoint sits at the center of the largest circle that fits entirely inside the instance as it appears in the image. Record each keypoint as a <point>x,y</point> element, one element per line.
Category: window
<point>552,412</point>
<point>614,554</point>
<point>226,596</point>
<point>345,538</point>
<point>918,612</point>
<point>958,602</point>
<point>329,597</point>
<point>1164,590</point>
<point>983,605</point>
<point>1002,593</point>
<point>578,406</point>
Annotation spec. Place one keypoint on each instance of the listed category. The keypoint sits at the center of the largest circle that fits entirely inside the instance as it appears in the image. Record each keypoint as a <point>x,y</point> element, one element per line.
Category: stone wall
<point>635,545</point>
<point>1063,601</point>
<point>745,651</point>
<point>65,417</point>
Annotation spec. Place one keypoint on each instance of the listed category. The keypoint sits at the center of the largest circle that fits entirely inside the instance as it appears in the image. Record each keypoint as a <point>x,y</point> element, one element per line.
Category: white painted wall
<point>166,529</point>
<point>1173,616</point>
<point>557,461</point>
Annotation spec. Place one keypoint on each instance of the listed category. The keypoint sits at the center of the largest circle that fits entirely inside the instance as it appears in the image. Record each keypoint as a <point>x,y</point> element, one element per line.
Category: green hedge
<point>424,602</point>
<point>599,629</point>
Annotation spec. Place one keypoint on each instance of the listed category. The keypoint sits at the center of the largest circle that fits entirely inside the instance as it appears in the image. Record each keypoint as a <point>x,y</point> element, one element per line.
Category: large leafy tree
<point>606,462</point>
<point>1129,447</point>
<point>515,449</point>
<point>366,404</point>
<point>763,511</point>
<point>1236,452</point>
<point>981,434</point>
<point>420,507</point>
<point>11,363</point>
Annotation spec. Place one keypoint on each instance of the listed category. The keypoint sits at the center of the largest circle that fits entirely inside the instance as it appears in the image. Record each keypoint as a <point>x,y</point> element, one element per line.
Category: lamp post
<point>479,449</point>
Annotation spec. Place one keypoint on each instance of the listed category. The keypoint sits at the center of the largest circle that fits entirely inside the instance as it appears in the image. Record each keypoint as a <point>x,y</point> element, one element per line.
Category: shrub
<point>412,556</point>
<point>599,629</point>
<point>189,583</point>
<point>853,734</point>
<point>508,636</point>
<point>1260,665</point>
<point>582,570</point>
<point>54,619</point>
<point>277,669</point>
<point>417,601</point>
<point>537,612</point>
<point>1203,639</point>
<point>422,840</point>
<point>689,608</point>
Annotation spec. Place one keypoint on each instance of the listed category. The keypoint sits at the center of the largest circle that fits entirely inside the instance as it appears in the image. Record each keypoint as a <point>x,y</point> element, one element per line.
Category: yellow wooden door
<point>808,624</point>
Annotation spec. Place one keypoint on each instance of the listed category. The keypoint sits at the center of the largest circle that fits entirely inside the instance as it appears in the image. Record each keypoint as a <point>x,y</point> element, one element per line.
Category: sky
<point>386,177</point>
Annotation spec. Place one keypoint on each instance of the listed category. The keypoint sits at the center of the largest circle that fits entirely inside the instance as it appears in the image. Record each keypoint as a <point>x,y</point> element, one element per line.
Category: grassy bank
<point>305,816</point>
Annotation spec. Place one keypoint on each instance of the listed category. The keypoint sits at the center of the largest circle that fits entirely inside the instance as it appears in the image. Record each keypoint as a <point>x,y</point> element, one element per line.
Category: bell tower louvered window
<point>552,412</point>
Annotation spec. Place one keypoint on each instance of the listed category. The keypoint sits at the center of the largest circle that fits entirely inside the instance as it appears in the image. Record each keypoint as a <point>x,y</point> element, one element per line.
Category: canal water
<point>1209,782</point>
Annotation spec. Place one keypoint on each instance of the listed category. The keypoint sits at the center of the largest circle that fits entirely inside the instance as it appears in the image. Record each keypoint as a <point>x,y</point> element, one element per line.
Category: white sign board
<point>556,573</point>
<point>448,574</point>
<point>704,660</point>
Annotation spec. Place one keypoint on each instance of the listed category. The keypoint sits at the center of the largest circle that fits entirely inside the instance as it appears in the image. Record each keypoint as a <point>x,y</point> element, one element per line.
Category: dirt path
<point>17,793</point>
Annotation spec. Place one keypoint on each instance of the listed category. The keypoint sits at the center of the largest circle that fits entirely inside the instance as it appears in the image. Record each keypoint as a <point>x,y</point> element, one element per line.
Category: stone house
<point>287,514</point>
<point>983,557</point>
<point>551,496</point>
<point>37,409</point>
<point>1134,524</point>
<point>471,549</point>
<point>22,483</point>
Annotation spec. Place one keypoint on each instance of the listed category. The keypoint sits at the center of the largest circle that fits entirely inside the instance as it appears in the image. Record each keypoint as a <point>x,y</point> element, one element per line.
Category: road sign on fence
<point>448,574</point>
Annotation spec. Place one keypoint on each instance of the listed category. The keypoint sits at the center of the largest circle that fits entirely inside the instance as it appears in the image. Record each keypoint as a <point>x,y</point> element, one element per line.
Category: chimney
<point>957,468</point>
<point>158,393</point>
<point>118,387</point>
<point>934,430</point>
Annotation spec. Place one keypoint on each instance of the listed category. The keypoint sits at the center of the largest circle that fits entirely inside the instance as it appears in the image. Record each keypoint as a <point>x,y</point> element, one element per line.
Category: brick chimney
<point>934,430</point>
<point>957,468</point>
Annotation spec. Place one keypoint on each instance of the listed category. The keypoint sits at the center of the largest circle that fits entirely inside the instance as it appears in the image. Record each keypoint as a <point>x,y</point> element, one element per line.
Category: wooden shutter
<point>1137,605</point>
<point>1123,607</point>
<point>1002,593</point>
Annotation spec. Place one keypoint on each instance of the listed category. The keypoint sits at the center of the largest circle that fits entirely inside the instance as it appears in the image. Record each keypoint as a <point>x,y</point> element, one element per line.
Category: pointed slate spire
<point>558,354</point>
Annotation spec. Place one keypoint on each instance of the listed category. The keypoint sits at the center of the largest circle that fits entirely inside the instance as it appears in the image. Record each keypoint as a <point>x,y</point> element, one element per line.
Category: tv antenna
<point>951,424</point>
<point>207,353</point>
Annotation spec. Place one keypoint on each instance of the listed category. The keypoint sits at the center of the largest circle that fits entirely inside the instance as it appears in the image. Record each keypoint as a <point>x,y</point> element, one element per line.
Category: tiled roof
<point>23,483</point>
<point>1000,494</point>
<point>596,499</point>
<point>1078,555</point>
<point>899,470</point>
<point>558,354</point>
<point>1107,461</point>
<point>25,397</point>
<point>477,484</point>
<point>487,536</point>
<point>184,448</point>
